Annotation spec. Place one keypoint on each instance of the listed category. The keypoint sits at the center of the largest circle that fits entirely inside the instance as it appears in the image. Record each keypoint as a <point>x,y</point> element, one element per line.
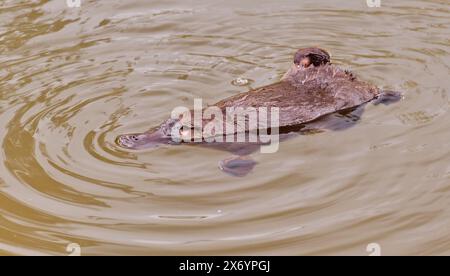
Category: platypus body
<point>307,95</point>
<point>312,94</point>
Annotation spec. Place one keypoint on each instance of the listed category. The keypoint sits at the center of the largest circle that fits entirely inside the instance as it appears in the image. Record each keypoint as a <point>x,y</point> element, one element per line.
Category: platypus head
<point>140,141</point>
<point>150,139</point>
<point>307,57</point>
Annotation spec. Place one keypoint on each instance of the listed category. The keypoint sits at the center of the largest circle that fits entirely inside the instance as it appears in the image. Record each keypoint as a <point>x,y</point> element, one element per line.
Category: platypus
<point>307,95</point>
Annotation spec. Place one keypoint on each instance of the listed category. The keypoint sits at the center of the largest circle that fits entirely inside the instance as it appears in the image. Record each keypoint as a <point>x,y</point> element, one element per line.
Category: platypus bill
<point>313,94</point>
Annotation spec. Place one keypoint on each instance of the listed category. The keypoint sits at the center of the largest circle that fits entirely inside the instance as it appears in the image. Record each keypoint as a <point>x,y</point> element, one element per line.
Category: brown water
<point>72,79</point>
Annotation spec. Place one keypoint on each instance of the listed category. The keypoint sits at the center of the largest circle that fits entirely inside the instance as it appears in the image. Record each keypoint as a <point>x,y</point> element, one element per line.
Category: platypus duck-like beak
<point>143,140</point>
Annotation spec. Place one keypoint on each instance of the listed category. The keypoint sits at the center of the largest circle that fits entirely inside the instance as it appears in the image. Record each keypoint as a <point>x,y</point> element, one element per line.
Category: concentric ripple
<point>73,79</point>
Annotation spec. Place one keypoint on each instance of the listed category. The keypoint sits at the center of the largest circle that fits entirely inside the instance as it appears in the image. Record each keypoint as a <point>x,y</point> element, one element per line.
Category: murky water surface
<point>73,79</point>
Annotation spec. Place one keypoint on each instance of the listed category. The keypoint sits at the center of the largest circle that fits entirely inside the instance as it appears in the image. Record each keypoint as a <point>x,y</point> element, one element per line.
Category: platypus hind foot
<point>388,97</point>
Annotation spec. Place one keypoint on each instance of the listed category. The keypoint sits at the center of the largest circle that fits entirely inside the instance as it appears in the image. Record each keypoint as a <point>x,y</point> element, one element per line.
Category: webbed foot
<point>388,97</point>
<point>238,166</point>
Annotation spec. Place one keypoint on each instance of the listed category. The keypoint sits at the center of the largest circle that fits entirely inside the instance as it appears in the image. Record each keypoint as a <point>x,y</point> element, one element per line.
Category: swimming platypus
<point>311,90</point>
